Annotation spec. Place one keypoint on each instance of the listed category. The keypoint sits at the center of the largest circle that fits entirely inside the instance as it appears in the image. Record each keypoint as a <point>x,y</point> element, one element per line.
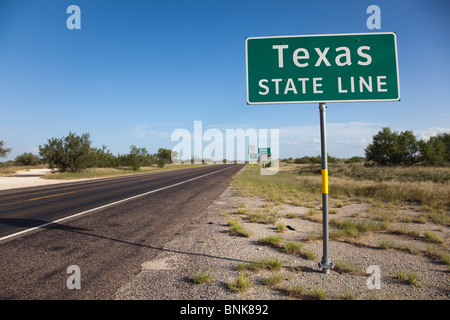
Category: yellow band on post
<point>324,180</point>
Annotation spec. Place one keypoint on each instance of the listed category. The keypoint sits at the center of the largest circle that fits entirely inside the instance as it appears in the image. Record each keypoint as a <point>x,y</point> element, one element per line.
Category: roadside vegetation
<point>397,170</point>
<point>73,157</point>
<point>301,185</point>
<point>74,154</point>
<point>426,195</point>
<point>202,277</point>
<point>404,207</point>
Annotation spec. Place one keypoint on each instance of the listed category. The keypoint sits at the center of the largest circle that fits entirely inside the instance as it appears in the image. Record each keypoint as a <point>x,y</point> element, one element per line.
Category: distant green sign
<point>263,150</point>
<point>322,68</point>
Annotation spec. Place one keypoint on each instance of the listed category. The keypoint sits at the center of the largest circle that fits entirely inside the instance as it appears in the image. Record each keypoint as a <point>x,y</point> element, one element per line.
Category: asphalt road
<point>106,227</point>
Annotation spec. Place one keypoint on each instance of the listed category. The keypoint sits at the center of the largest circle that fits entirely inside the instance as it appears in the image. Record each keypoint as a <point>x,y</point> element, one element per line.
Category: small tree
<point>392,148</point>
<point>102,158</point>
<point>435,151</point>
<point>407,149</point>
<point>136,158</point>
<point>161,162</point>
<point>71,153</point>
<point>4,151</point>
<point>380,148</point>
<point>27,159</point>
<point>164,155</point>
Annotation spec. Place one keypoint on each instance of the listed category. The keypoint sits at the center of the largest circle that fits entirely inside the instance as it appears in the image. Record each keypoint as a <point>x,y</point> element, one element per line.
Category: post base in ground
<point>326,265</point>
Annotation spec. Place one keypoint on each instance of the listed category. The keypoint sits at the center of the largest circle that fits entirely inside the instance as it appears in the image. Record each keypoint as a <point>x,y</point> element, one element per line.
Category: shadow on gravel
<point>159,249</point>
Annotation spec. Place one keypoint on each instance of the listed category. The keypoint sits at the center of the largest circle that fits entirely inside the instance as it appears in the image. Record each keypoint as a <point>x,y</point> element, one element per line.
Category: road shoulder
<point>205,245</point>
<point>28,178</point>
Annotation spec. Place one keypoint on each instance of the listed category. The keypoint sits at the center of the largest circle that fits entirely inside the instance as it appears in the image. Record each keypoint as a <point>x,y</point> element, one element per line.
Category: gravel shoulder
<point>27,178</point>
<point>206,245</point>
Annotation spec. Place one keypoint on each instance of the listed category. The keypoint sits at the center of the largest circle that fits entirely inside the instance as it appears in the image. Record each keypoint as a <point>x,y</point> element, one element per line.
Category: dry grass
<point>301,185</point>
<point>271,264</point>
<point>240,284</point>
<point>8,170</point>
<point>236,229</point>
<point>403,202</point>
<point>202,277</point>
<point>4,171</point>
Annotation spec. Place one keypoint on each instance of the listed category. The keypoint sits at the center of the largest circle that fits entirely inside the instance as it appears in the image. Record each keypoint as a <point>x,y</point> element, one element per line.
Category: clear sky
<point>139,69</point>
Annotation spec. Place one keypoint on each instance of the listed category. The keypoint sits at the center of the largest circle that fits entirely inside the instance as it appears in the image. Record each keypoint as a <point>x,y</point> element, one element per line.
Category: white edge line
<point>105,206</point>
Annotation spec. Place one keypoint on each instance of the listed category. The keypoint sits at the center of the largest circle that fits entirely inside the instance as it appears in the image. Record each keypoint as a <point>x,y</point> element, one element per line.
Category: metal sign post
<point>326,263</point>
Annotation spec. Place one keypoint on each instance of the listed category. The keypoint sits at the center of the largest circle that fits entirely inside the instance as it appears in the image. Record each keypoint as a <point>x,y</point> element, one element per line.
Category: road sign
<point>263,150</point>
<point>251,149</point>
<point>322,68</point>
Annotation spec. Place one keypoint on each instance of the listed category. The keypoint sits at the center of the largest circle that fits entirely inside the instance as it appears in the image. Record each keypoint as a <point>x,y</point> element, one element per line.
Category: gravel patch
<point>206,245</point>
<point>28,178</point>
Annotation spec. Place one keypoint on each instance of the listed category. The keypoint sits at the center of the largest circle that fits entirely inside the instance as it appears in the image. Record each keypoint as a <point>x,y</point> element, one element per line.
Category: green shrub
<point>27,159</point>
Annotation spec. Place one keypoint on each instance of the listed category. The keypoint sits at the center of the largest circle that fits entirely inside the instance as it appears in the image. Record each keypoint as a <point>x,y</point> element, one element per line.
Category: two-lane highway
<point>26,208</point>
<point>107,227</point>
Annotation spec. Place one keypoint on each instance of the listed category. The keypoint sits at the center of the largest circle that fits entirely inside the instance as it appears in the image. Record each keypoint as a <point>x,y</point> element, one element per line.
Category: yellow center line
<point>54,195</point>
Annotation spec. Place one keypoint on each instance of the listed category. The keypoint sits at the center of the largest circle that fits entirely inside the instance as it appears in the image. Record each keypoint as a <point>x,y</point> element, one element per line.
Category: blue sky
<point>139,69</point>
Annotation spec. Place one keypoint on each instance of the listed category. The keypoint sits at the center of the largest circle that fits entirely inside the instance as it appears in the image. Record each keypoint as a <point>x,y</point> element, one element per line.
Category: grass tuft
<point>236,229</point>
<point>240,284</point>
<point>271,264</point>
<point>409,278</point>
<point>292,247</point>
<point>272,240</point>
<point>344,267</point>
<point>261,217</point>
<point>295,291</point>
<point>273,280</point>
<point>386,244</point>
<point>202,277</point>
<point>281,227</point>
<point>432,237</point>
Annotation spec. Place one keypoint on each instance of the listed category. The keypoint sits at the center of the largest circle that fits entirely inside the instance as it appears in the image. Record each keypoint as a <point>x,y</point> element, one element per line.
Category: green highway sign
<point>263,150</point>
<point>322,68</point>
